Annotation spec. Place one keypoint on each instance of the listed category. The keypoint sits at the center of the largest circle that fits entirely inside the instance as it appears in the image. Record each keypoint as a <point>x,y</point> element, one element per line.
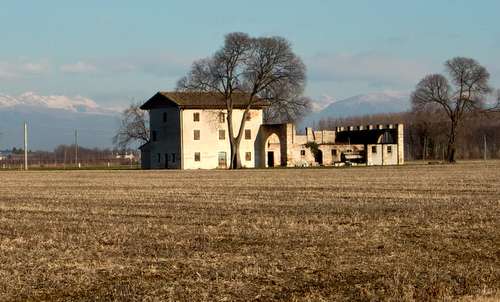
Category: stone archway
<point>385,138</point>
<point>272,151</point>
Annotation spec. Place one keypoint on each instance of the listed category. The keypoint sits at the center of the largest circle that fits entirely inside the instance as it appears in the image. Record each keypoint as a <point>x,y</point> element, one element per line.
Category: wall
<point>401,143</point>
<point>382,156</point>
<point>209,144</point>
<point>166,150</point>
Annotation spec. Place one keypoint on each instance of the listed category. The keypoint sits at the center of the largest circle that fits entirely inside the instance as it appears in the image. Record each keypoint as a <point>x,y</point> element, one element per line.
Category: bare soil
<point>411,233</point>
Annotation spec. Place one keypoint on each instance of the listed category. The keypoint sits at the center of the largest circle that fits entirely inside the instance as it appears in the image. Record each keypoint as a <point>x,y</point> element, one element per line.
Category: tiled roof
<point>200,100</point>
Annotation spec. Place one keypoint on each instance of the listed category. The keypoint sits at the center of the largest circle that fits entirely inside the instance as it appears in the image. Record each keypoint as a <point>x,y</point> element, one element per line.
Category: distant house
<point>189,131</point>
<point>4,155</point>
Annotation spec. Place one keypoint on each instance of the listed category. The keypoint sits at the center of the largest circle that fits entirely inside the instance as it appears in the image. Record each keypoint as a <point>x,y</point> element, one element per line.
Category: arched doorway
<point>273,151</point>
<point>318,157</point>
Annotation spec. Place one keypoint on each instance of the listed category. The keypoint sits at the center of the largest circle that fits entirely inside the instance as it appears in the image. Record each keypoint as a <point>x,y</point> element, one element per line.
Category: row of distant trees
<point>70,155</point>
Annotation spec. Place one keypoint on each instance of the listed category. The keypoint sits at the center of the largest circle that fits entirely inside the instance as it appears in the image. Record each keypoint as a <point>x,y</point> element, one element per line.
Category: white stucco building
<point>189,131</point>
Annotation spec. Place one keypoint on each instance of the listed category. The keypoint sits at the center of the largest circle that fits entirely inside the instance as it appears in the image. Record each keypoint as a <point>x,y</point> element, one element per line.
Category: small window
<point>303,152</point>
<point>248,117</point>
<point>197,156</point>
<point>159,158</point>
<point>389,149</point>
<point>196,117</point>
<point>248,134</point>
<point>248,156</point>
<point>334,152</point>
<point>222,134</point>
<point>164,117</point>
<point>374,149</point>
<point>196,135</point>
<point>173,157</point>
<point>222,117</point>
<point>153,136</point>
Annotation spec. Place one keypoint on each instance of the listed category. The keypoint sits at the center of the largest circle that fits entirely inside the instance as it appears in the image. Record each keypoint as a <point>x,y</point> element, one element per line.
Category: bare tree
<point>263,68</point>
<point>287,105</point>
<point>465,92</point>
<point>133,127</point>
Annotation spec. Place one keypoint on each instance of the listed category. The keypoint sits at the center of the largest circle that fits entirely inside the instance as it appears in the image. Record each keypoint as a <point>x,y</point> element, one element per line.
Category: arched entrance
<point>273,151</point>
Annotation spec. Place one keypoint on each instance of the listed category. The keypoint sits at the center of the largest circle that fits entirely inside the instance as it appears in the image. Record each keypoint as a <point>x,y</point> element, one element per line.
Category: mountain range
<point>52,120</point>
<point>366,104</point>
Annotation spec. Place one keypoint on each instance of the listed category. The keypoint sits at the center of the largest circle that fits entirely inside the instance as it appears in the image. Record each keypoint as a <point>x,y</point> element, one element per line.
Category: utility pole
<point>76,148</point>
<point>485,147</point>
<point>25,146</point>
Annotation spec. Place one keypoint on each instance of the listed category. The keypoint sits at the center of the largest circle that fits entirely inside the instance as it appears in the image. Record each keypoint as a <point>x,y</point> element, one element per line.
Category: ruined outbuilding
<point>189,131</point>
<point>354,145</point>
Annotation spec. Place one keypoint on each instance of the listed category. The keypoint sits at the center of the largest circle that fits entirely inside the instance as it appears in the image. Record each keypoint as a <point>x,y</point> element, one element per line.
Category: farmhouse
<point>189,131</point>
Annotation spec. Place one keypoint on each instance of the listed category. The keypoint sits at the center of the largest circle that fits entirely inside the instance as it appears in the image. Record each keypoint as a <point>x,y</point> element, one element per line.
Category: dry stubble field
<point>393,233</point>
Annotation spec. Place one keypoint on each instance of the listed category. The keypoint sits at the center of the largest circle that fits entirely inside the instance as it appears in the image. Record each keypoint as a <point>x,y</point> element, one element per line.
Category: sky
<point>116,52</point>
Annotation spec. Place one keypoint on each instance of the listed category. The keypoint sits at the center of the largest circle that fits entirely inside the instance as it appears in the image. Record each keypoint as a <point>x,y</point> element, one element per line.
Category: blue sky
<point>118,51</point>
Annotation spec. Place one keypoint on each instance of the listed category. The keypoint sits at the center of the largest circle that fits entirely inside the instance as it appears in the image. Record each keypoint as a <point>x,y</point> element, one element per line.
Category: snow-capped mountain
<point>53,119</point>
<point>373,103</point>
<point>31,100</point>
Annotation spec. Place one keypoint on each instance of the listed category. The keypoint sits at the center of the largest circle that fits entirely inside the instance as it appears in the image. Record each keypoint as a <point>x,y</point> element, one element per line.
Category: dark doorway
<point>318,157</point>
<point>270,159</point>
<point>166,161</point>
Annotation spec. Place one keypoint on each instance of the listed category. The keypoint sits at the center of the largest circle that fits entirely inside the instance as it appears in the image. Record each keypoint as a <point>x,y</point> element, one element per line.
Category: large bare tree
<point>133,127</point>
<point>466,91</point>
<point>264,68</point>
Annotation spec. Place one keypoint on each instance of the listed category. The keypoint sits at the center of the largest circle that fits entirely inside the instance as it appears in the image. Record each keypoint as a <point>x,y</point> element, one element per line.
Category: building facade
<point>189,131</point>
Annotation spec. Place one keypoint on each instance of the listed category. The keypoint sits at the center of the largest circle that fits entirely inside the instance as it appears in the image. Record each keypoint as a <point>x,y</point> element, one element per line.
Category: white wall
<point>209,144</point>
<point>382,156</point>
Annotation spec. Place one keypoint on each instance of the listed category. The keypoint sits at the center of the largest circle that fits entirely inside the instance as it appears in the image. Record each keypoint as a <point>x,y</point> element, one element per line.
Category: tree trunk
<point>451,150</point>
<point>235,162</point>
<point>235,154</point>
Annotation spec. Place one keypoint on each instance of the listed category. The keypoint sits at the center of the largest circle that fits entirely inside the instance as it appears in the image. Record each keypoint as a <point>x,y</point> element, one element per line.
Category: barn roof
<point>199,100</point>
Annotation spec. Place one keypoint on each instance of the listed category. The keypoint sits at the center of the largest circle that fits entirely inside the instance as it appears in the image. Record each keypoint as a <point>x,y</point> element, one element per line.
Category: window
<point>173,157</point>
<point>196,135</point>
<point>222,117</point>
<point>222,134</point>
<point>303,152</point>
<point>248,134</point>
<point>164,117</point>
<point>153,136</point>
<point>197,156</point>
<point>334,152</point>
<point>389,149</point>
<point>196,117</point>
<point>374,149</point>
<point>248,156</point>
<point>159,158</point>
<point>248,117</point>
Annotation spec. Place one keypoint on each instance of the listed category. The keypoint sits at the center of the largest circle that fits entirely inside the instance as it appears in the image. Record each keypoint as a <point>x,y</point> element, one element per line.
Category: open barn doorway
<point>270,159</point>
<point>273,151</point>
<point>318,157</point>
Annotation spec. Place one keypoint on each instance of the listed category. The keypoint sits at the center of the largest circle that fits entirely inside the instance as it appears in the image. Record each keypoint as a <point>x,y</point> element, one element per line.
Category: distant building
<point>4,155</point>
<point>125,155</point>
<point>189,131</point>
